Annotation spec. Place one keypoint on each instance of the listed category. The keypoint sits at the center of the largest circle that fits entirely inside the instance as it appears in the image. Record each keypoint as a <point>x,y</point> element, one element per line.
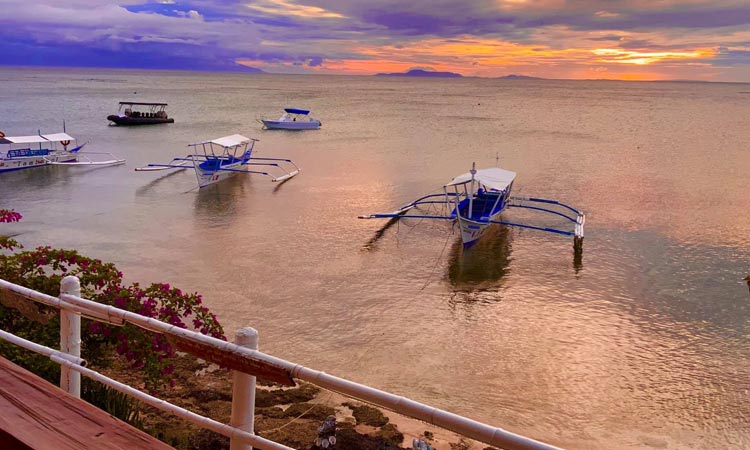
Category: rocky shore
<point>290,416</point>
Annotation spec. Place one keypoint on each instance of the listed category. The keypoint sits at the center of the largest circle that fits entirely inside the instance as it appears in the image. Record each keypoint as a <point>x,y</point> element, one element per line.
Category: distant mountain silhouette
<point>421,73</point>
<point>519,77</point>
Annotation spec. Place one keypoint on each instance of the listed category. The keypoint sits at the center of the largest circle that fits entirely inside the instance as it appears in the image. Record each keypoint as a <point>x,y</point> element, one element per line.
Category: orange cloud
<point>286,8</point>
<point>473,56</point>
<point>642,58</point>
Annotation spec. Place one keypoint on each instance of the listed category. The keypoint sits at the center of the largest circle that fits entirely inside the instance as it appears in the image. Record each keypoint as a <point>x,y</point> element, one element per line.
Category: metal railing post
<point>243,391</point>
<point>70,337</point>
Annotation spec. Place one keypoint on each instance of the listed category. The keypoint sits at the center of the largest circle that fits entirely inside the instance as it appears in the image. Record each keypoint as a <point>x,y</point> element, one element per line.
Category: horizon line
<point>241,71</point>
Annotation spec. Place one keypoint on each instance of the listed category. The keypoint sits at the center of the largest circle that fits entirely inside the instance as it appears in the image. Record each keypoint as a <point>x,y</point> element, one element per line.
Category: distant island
<point>519,77</point>
<point>436,74</point>
<point>421,73</point>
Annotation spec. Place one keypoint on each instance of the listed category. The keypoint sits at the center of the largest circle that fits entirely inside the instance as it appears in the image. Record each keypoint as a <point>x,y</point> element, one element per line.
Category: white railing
<point>240,431</point>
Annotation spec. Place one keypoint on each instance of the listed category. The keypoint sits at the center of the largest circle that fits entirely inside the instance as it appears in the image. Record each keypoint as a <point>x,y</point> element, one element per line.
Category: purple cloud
<point>168,33</point>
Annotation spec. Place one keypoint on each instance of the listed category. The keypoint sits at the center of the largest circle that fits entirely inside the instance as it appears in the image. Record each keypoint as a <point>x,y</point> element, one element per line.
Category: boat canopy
<point>143,103</point>
<point>297,111</point>
<point>227,141</point>
<point>57,137</point>
<point>493,178</point>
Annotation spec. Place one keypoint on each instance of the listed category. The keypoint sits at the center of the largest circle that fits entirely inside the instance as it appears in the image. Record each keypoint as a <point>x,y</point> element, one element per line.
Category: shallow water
<point>642,343</point>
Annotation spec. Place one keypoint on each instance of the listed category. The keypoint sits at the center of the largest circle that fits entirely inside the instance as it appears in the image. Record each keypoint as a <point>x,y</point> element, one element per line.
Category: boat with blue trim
<point>223,157</point>
<point>293,119</point>
<point>476,199</point>
<point>27,152</point>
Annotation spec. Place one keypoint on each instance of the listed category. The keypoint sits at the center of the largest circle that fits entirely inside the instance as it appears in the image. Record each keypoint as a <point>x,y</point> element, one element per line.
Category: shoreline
<point>288,415</point>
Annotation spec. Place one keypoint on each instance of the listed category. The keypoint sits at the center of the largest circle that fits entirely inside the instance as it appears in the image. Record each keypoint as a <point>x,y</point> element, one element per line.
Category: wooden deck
<point>38,415</point>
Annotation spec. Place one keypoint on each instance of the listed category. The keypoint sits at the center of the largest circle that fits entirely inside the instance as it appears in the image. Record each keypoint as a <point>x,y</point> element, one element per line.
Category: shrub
<point>43,268</point>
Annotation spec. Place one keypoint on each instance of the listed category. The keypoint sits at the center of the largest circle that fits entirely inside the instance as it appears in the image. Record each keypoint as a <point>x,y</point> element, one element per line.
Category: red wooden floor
<point>35,414</point>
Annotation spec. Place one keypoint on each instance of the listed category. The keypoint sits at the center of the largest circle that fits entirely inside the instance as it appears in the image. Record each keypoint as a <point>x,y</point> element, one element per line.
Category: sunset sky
<point>633,40</point>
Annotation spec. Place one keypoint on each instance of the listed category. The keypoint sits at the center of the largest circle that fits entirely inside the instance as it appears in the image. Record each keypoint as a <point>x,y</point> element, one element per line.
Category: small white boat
<point>477,198</point>
<point>26,152</point>
<point>221,158</point>
<point>293,119</point>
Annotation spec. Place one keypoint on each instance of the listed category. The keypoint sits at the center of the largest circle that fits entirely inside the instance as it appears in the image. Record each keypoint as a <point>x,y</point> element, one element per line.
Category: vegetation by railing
<point>247,362</point>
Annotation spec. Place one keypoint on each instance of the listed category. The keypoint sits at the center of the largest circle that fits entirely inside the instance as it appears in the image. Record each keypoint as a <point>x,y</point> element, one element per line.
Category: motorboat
<point>140,113</point>
<point>293,119</point>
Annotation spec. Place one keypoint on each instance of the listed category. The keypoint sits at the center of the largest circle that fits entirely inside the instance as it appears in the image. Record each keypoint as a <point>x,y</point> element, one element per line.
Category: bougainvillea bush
<point>7,216</point>
<point>42,269</point>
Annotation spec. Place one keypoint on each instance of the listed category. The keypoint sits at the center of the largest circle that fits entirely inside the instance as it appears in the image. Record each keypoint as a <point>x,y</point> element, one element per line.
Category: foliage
<point>43,268</point>
<point>367,415</point>
<point>120,405</point>
<point>7,216</point>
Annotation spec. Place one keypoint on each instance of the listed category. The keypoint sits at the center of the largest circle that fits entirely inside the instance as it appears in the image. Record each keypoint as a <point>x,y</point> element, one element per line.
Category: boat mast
<point>471,192</point>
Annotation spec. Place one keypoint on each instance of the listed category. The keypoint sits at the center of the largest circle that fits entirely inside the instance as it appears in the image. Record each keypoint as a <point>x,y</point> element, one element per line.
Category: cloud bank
<point>708,40</point>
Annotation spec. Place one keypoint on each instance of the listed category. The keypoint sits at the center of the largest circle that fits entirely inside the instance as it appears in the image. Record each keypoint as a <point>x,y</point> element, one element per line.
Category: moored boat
<point>476,199</point>
<point>293,119</point>
<point>221,158</point>
<point>140,113</point>
<point>26,152</point>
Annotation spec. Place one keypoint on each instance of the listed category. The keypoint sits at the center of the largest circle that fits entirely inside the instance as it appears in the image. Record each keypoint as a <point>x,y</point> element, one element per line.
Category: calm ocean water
<point>644,343</point>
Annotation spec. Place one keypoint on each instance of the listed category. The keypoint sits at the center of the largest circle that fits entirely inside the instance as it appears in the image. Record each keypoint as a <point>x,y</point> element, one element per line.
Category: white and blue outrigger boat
<point>220,158</point>
<point>27,152</point>
<point>477,198</point>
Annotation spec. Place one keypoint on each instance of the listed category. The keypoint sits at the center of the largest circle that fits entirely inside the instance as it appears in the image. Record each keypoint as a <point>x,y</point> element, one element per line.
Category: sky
<point>583,39</point>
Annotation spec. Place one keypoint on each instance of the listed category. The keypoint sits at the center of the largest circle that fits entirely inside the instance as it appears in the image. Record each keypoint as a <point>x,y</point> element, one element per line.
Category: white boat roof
<point>228,141</point>
<point>57,137</point>
<point>493,178</point>
<point>24,139</point>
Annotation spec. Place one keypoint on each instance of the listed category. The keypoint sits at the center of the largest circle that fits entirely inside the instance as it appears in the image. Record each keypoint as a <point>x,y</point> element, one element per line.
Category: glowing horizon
<point>635,40</point>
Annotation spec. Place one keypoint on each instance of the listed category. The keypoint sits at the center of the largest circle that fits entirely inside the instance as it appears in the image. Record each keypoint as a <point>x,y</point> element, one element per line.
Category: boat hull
<point>11,164</point>
<point>285,125</point>
<point>471,231</point>
<point>209,177</point>
<point>128,121</point>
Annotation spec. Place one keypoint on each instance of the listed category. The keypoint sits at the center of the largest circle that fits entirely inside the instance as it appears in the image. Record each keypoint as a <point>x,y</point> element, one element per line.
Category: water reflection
<point>143,190</point>
<point>483,265</point>
<point>578,255</point>
<point>370,244</point>
<point>279,184</point>
<point>217,204</point>
<point>42,177</point>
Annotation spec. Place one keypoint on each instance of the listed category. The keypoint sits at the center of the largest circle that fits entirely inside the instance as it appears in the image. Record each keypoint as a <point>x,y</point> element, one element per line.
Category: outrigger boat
<point>140,113</point>
<point>293,119</point>
<point>220,158</point>
<point>26,152</point>
<point>477,198</point>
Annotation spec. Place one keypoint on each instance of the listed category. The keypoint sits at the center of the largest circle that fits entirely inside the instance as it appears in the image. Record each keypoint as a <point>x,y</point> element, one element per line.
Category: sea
<point>640,342</point>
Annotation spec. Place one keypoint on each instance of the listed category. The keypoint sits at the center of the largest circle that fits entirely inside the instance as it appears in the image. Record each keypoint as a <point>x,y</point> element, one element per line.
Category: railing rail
<point>241,429</point>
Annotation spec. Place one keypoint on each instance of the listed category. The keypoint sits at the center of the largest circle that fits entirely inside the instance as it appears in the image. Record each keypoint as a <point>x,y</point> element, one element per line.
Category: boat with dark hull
<point>140,113</point>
